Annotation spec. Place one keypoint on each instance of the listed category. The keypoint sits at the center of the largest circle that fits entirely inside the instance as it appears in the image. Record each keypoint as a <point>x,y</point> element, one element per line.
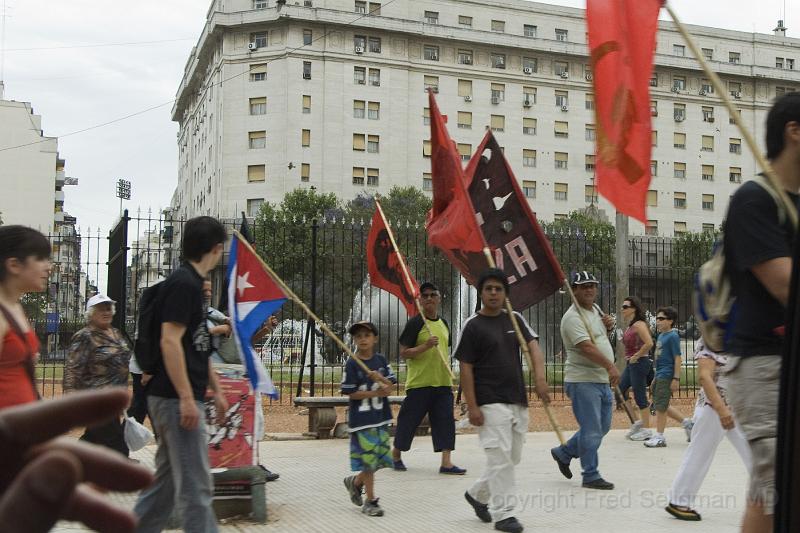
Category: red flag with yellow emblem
<point>622,40</point>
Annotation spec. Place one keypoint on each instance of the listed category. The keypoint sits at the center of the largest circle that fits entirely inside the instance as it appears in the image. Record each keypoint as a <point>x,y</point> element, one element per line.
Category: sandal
<point>683,513</point>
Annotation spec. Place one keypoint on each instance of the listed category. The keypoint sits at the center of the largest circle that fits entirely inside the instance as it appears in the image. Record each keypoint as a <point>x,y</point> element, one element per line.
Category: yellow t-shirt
<point>427,369</point>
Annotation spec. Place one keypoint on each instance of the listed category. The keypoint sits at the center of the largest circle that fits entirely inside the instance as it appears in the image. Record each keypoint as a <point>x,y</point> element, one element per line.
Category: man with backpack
<point>759,235</point>
<point>176,311</point>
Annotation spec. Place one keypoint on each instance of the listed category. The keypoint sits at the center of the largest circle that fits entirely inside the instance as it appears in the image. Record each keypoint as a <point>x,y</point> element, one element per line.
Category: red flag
<point>622,40</point>
<point>384,266</point>
<point>451,224</point>
<point>521,249</point>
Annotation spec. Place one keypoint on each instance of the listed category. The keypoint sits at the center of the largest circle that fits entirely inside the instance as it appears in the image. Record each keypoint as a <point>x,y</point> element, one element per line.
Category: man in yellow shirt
<point>429,388</point>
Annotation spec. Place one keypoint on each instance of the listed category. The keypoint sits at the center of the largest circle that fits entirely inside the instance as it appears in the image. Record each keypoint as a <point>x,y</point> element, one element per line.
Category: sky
<point>53,60</point>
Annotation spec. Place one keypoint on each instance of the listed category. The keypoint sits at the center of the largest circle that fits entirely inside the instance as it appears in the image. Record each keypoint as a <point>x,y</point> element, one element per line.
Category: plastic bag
<point>137,436</point>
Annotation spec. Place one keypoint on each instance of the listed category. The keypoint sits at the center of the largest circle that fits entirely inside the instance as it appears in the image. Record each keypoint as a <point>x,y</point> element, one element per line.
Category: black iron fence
<point>323,261</point>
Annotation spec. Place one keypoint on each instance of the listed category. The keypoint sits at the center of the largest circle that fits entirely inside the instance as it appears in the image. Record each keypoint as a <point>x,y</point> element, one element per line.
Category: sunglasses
<point>626,306</point>
<point>660,318</point>
<point>429,295</point>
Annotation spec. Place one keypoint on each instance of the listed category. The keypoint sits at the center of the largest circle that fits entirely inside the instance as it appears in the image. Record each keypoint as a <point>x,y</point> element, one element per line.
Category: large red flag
<point>384,266</point>
<point>451,224</point>
<point>622,39</point>
<point>521,249</point>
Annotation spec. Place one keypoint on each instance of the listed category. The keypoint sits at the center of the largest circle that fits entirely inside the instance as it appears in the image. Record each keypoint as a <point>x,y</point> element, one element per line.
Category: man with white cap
<point>587,373</point>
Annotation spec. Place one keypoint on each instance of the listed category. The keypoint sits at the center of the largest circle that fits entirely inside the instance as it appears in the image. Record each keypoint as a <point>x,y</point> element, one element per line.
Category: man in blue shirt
<point>668,373</point>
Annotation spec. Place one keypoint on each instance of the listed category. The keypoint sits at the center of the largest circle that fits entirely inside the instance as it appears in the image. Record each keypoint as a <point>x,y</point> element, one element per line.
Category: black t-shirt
<point>754,234</point>
<point>489,343</point>
<point>181,301</point>
<point>408,337</point>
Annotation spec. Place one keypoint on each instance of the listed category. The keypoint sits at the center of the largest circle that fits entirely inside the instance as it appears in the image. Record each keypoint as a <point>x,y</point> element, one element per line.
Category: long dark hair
<point>638,312</point>
<point>21,242</point>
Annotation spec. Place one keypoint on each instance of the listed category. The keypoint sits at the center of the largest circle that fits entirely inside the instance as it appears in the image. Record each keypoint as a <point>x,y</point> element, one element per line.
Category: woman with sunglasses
<point>638,342</point>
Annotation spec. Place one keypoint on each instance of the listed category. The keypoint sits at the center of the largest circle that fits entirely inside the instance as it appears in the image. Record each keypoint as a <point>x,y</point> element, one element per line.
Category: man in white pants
<point>497,401</point>
<point>713,421</point>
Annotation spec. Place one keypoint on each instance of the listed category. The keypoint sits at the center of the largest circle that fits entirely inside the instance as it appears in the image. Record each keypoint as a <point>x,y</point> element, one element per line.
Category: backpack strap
<point>766,185</point>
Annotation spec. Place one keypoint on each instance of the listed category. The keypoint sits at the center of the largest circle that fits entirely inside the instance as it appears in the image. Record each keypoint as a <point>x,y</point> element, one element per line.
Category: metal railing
<point>323,261</point>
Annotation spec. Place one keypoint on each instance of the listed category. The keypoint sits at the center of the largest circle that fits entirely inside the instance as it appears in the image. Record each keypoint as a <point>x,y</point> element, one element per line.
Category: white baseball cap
<point>98,299</point>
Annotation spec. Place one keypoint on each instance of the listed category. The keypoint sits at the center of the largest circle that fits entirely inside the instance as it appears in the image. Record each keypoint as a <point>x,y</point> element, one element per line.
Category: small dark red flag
<point>622,40</point>
<point>384,266</point>
<point>451,224</point>
<point>521,249</point>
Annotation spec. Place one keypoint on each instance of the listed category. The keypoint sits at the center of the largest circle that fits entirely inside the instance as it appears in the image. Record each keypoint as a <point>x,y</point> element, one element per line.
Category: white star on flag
<point>242,284</point>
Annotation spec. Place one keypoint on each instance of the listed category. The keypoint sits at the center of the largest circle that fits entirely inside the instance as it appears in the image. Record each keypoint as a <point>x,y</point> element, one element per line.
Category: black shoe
<point>599,483</point>
<point>510,524</point>
<point>270,476</point>
<point>481,509</point>
<point>562,466</point>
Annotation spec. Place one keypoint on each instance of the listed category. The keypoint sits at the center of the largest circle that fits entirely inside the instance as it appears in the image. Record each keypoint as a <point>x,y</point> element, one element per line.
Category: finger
<point>100,465</point>
<point>41,492</point>
<point>24,425</point>
<point>95,511</point>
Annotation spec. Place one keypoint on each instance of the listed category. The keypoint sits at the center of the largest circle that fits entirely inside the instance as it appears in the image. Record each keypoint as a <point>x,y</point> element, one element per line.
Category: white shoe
<point>642,434</point>
<point>688,424</point>
<point>656,442</point>
<point>635,428</point>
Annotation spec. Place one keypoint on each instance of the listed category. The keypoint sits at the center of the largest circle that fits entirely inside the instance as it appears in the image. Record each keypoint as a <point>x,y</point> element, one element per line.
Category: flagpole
<point>277,279</point>
<point>525,350</point>
<point>585,322</point>
<point>409,284</point>
<point>751,143</point>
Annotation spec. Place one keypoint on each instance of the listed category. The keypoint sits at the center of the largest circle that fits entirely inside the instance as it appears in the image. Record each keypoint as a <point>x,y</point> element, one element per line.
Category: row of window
<point>364,75</point>
<point>258,173</point>
<point>734,58</point>
<point>259,39</point>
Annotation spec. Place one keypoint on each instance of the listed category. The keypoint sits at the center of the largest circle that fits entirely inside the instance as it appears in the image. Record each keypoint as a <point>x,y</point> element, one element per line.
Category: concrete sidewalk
<point>310,495</point>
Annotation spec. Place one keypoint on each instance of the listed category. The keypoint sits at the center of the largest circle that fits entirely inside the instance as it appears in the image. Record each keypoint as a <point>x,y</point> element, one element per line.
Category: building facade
<point>31,171</point>
<point>331,94</point>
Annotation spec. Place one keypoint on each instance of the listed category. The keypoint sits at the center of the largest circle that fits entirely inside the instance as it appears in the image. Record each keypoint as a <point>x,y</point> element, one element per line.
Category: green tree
<point>583,240</point>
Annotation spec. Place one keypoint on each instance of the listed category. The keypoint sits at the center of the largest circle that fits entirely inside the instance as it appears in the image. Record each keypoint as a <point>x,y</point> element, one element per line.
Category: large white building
<point>31,172</point>
<point>331,94</point>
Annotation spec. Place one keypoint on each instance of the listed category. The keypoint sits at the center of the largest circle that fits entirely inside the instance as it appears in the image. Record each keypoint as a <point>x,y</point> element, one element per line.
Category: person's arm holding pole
<point>531,365</point>
<point>410,285</point>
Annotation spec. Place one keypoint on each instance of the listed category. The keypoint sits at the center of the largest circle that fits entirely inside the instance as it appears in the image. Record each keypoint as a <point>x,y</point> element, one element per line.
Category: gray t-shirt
<point>579,369</point>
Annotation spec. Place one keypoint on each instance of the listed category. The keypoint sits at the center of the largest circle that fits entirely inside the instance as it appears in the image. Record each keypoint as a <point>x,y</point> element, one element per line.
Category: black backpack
<point>147,348</point>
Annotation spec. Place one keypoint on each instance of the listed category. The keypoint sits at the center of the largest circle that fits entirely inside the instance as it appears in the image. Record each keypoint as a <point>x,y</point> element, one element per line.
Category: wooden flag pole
<point>579,309</point>
<point>726,100</point>
<point>285,288</point>
<point>411,285</point>
<point>526,351</point>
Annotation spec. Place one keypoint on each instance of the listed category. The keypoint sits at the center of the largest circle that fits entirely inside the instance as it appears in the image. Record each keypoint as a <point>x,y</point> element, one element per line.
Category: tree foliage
<point>583,241</point>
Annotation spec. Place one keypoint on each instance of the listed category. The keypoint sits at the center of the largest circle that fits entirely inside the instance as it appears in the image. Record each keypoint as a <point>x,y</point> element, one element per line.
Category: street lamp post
<point>123,192</point>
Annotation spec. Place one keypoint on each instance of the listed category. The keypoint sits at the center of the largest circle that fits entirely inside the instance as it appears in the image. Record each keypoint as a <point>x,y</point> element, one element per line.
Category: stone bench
<point>322,413</point>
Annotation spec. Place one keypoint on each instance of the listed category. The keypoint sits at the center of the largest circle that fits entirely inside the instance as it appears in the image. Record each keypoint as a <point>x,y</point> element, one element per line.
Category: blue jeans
<point>182,473</point>
<point>592,404</point>
<point>635,377</point>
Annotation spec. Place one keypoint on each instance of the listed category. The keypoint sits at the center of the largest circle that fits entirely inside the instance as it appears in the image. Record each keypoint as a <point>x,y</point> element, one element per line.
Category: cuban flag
<point>252,298</point>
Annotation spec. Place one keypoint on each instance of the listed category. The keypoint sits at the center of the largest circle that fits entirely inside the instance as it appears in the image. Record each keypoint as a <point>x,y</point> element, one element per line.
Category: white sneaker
<point>688,424</point>
<point>656,442</point>
<point>635,428</point>
<point>642,434</point>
